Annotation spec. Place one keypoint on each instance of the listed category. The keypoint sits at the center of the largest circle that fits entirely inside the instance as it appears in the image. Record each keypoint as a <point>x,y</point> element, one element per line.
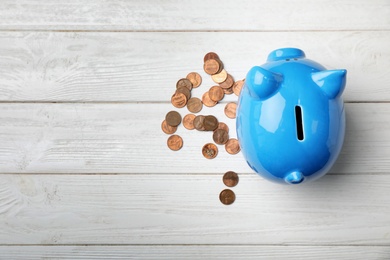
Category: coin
<point>219,77</point>
<point>179,100</point>
<point>210,55</point>
<point>212,66</point>
<point>228,91</point>
<point>227,197</point>
<point>188,121</point>
<point>230,110</point>
<point>220,136</point>
<point>209,151</point>
<point>184,83</point>
<point>167,128</point>
<point>230,179</point>
<point>194,105</point>
<point>195,79</point>
<point>206,100</point>
<point>216,93</point>
<point>237,86</point>
<point>173,118</point>
<point>223,126</point>
<point>175,142</point>
<point>228,83</point>
<point>210,123</point>
<point>232,146</point>
<point>198,123</point>
<point>185,91</point>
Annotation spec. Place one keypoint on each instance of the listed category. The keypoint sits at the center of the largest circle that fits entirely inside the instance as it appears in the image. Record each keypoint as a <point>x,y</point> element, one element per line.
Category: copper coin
<point>227,197</point>
<point>237,86</point>
<point>209,151</point>
<point>216,93</point>
<point>220,136</point>
<point>210,55</point>
<point>228,91</point>
<point>230,179</point>
<point>228,83</point>
<point>230,110</point>
<point>173,118</point>
<point>207,101</point>
<point>184,83</point>
<point>219,77</point>
<point>188,121</point>
<point>194,105</point>
<point>210,123</point>
<point>167,128</point>
<point>185,91</point>
<point>223,126</point>
<point>212,66</point>
<point>175,142</point>
<point>232,146</point>
<point>198,123</point>
<point>195,79</point>
<point>179,100</point>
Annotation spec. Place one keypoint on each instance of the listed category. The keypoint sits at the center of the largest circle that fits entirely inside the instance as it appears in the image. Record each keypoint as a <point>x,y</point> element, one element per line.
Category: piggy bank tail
<point>294,177</point>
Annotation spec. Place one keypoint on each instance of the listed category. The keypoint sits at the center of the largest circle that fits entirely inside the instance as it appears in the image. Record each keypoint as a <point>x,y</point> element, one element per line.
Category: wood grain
<point>133,67</point>
<point>185,209</point>
<point>127,138</point>
<point>195,15</point>
<point>196,252</point>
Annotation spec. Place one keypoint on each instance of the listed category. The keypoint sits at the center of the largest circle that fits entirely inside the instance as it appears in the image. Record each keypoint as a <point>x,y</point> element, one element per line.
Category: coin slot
<point>299,123</point>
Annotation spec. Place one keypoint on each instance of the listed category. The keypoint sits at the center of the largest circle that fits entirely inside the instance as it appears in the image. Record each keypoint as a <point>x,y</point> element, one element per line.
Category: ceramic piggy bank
<point>290,117</point>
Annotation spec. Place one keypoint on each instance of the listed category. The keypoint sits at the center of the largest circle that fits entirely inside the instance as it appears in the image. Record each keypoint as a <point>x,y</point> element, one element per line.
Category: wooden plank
<point>185,209</point>
<point>195,252</point>
<point>195,15</point>
<point>132,67</point>
<point>127,138</point>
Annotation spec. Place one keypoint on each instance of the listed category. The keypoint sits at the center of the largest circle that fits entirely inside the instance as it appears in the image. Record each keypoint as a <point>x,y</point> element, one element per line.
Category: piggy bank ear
<point>332,82</point>
<point>262,83</point>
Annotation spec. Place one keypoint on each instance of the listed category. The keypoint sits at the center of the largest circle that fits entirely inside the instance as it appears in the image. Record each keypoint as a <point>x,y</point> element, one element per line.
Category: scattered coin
<point>230,179</point>
<point>210,55</point>
<point>228,91</point>
<point>212,66</point>
<point>216,93</point>
<point>173,118</point>
<point>184,83</point>
<point>223,126</point>
<point>207,101</point>
<point>220,77</point>
<point>194,105</point>
<point>184,91</point>
<point>237,86</point>
<point>227,197</point>
<point>232,146</point>
<point>188,121</point>
<point>210,123</point>
<point>195,79</point>
<point>175,142</point>
<point>198,123</point>
<point>220,136</point>
<point>209,151</point>
<point>179,100</point>
<point>228,83</point>
<point>167,128</point>
<point>230,110</point>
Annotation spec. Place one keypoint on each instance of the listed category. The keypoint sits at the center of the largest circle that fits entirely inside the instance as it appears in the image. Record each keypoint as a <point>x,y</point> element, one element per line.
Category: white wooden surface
<point>84,169</point>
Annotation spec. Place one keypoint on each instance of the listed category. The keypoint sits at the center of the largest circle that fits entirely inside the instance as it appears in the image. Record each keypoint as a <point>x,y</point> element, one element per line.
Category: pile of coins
<point>181,98</point>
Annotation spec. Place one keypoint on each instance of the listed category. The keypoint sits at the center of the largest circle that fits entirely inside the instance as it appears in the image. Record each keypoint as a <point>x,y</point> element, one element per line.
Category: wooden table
<point>85,171</point>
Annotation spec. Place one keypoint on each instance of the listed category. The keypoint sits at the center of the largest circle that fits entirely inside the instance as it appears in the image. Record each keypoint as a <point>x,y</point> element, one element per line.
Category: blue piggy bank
<point>291,118</point>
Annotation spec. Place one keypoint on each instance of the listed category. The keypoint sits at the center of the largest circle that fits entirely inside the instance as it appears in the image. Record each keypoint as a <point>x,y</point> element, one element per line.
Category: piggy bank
<point>291,118</point>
